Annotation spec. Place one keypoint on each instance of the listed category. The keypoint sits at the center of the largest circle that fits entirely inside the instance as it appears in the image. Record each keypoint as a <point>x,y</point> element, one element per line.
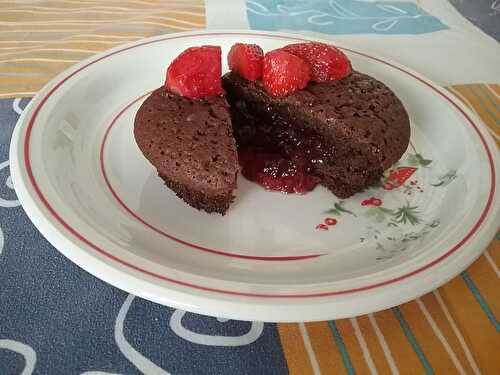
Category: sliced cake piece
<point>345,132</point>
<point>190,143</point>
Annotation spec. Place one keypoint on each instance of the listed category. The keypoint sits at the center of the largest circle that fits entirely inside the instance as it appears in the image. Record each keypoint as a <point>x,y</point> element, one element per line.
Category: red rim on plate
<point>102,251</point>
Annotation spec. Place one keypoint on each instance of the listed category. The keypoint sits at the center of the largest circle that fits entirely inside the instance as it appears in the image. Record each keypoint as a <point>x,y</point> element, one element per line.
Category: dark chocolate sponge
<point>347,132</point>
<point>190,142</point>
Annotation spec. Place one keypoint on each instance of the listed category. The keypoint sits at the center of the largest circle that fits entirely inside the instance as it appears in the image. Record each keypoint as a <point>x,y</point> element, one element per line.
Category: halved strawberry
<point>327,62</point>
<point>196,72</point>
<point>284,73</point>
<point>246,60</point>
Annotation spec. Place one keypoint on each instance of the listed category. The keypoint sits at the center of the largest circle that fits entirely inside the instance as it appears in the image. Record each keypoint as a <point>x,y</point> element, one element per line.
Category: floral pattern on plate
<point>402,218</point>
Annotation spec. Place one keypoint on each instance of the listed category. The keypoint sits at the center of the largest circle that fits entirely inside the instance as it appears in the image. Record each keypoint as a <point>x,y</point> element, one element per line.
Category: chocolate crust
<point>190,142</point>
<point>211,204</point>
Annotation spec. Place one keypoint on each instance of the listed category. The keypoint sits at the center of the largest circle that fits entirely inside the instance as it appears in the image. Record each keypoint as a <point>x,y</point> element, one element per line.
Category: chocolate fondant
<point>342,133</point>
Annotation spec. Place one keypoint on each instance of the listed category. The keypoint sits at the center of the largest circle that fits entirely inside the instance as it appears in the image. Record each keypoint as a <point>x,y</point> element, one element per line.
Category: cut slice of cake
<point>190,142</point>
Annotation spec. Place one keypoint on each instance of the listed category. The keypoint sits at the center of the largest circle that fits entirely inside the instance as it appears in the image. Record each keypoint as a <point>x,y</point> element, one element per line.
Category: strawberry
<point>327,62</point>
<point>196,72</point>
<point>284,73</point>
<point>246,60</point>
<point>398,177</point>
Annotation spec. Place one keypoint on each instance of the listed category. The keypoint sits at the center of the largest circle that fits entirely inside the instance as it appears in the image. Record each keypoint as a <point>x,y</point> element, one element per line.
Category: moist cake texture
<point>345,132</point>
<point>190,142</point>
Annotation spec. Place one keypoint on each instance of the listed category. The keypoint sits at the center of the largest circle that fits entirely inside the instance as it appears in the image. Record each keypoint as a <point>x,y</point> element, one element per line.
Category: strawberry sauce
<point>275,173</point>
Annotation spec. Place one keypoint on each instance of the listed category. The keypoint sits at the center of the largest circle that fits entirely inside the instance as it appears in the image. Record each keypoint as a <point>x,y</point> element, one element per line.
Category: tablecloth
<point>57,319</point>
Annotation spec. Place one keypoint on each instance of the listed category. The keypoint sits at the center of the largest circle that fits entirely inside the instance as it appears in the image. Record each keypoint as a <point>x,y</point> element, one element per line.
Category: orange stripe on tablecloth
<point>42,52</point>
<point>495,88</point>
<point>41,60</point>
<point>327,354</point>
<point>76,43</point>
<point>193,20</point>
<point>373,344</point>
<point>479,99</point>
<point>5,69</point>
<point>439,317</point>
<point>12,87</point>
<point>294,349</point>
<point>479,334</point>
<point>48,14</point>
<point>162,25</point>
<point>69,3</point>
<point>485,108</point>
<point>494,252</point>
<point>44,40</point>
<point>22,68</point>
<point>27,27</point>
<point>432,348</point>
<point>11,34</point>
<point>404,357</point>
<point>487,282</point>
<point>352,346</point>
<point>144,26</point>
<point>17,94</point>
<point>99,35</point>
<point>27,81</point>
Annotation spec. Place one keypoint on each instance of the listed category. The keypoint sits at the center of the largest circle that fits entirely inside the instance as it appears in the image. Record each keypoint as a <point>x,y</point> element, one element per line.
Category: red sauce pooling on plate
<point>275,173</point>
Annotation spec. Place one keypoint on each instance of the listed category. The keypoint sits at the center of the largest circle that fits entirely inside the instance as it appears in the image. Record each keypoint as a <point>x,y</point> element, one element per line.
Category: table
<point>57,319</point>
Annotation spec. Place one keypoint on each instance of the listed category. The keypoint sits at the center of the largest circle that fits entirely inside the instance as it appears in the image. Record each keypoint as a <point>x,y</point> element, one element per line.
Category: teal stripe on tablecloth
<point>479,298</point>
<point>413,341</point>
<point>342,348</point>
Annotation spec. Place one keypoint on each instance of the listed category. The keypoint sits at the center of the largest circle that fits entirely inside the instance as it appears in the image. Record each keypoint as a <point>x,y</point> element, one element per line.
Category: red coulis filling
<point>276,173</point>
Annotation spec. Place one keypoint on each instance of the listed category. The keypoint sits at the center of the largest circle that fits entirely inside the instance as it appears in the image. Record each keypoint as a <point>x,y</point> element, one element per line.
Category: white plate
<point>88,189</point>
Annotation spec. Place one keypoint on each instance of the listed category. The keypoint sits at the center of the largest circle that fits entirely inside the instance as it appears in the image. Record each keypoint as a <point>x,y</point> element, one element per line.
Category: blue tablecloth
<point>78,323</point>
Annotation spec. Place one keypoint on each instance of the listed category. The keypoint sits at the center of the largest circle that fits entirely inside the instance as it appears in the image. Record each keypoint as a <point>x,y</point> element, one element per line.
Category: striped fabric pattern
<point>40,39</point>
<point>485,101</point>
<point>452,330</point>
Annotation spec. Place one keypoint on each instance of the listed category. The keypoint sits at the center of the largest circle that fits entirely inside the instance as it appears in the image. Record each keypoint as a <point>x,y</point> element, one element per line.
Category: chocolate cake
<point>190,142</point>
<point>294,118</point>
<point>345,132</point>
